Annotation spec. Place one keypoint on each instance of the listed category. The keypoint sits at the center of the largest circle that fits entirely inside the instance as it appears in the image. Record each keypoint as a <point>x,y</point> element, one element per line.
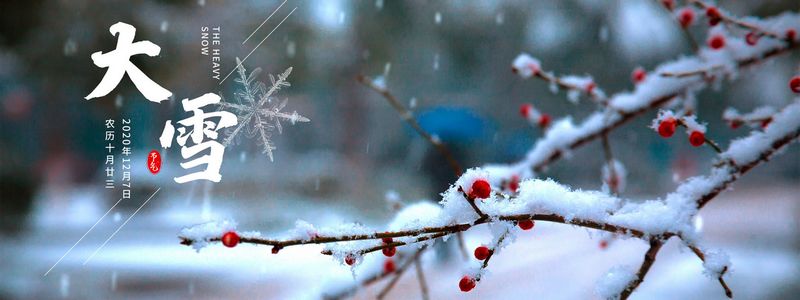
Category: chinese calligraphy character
<point>118,63</point>
<point>199,126</point>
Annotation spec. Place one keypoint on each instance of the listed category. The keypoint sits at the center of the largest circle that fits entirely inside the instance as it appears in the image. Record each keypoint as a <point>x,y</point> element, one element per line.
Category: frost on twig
<point>258,110</point>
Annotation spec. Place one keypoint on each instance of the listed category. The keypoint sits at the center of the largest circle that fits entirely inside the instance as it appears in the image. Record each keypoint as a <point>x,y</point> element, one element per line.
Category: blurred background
<point>447,60</point>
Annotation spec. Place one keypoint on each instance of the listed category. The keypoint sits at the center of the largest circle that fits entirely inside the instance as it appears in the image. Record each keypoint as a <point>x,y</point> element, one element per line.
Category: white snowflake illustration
<point>258,111</point>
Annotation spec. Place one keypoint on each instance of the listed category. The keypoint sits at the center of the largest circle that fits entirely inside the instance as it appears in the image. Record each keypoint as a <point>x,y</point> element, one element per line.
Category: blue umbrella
<point>454,124</point>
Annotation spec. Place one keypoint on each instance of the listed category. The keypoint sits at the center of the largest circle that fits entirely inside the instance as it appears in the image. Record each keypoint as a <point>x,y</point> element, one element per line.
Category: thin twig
<point>706,140</point>
<point>702,257</point>
<point>394,244</point>
<point>592,93</point>
<point>406,115</point>
<point>471,202</point>
<point>649,259</point>
<point>612,170</point>
<point>685,30</point>
<point>399,272</point>
<point>625,117</point>
<point>735,21</point>
<point>423,285</point>
<point>741,170</point>
<point>447,229</point>
<point>491,253</point>
<point>462,247</point>
<point>704,72</point>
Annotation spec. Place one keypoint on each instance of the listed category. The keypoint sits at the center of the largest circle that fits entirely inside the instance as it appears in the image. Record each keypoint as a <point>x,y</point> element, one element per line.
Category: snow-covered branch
<point>538,200</point>
<point>509,199</point>
<point>526,66</point>
<point>651,93</point>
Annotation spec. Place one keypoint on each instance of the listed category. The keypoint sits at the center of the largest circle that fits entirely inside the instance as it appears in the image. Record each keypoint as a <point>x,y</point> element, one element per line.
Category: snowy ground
<point>756,226</point>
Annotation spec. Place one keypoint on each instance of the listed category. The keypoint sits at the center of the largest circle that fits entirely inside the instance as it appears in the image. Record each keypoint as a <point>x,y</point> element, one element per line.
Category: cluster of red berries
<point>230,239</point>
<point>389,251</point>
<point>481,189</point>
<point>528,112</point>
<point>667,128</point>
<point>794,84</point>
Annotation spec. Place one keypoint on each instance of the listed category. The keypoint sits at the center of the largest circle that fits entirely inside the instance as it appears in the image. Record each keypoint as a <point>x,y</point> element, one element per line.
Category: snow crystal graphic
<point>258,111</point>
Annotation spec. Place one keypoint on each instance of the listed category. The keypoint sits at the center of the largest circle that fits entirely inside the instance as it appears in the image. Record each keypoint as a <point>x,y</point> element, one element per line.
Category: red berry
<point>525,224</point>
<point>350,259</point>
<point>544,120</point>
<point>387,240</point>
<point>525,110</point>
<point>590,87</point>
<point>791,34</point>
<point>275,249</point>
<point>751,38</point>
<point>482,252</point>
<point>230,239</point>
<point>794,84</point>
<point>466,284</point>
<point>686,17</point>
<point>667,127</point>
<point>603,244</point>
<point>480,189</point>
<point>697,138</point>
<point>514,184</point>
<point>735,124</point>
<point>389,266</point>
<point>713,16</point>
<point>389,251</point>
<point>669,4</point>
<point>638,75</point>
<point>716,42</point>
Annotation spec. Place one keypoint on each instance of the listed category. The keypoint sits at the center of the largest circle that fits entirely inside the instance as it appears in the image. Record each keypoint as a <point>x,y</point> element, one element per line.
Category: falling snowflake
<point>258,111</point>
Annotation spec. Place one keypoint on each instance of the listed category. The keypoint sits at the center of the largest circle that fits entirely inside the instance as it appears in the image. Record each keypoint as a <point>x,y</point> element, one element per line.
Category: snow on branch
<point>526,66</point>
<point>652,92</point>
<point>538,200</point>
<point>485,196</point>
